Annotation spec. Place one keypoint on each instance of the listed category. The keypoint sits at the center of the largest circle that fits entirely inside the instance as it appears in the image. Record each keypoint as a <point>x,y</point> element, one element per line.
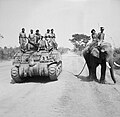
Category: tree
<point>79,41</point>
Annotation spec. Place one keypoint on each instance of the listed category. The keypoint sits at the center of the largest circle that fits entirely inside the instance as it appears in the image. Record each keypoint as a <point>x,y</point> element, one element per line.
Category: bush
<point>63,50</point>
<point>7,53</point>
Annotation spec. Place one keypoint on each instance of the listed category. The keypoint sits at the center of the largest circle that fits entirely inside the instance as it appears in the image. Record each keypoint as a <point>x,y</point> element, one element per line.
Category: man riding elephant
<point>101,35</point>
<point>92,47</point>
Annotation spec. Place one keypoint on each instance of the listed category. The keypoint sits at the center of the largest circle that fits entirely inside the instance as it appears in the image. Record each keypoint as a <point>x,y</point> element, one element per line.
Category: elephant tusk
<point>108,65</point>
<point>116,64</point>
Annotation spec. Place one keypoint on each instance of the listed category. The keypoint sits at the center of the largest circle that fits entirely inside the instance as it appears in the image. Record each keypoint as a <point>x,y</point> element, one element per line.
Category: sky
<point>66,17</point>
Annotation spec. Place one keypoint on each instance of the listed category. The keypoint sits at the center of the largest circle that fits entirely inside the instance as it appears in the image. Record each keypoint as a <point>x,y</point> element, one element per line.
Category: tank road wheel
<point>15,75</point>
<point>52,72</point>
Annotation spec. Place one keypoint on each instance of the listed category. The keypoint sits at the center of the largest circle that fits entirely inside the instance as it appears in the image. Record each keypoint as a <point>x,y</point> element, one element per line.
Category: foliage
<point>63,50</point>
<point>79,41</point>
<point>7,53</point>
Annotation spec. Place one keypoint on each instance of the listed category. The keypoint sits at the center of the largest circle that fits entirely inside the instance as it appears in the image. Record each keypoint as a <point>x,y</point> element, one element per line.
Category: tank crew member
<point>22,40</point>
<point>54,44</point>
<point>47,34</point>
<point>47,37</point>
<point>31,39</point>
<point>52,34</point>
<point>37,37</point>
<point>42,44</point>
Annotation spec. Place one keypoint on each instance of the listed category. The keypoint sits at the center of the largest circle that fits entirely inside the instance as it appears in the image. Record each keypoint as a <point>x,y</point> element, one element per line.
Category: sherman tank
<point>36,64</point>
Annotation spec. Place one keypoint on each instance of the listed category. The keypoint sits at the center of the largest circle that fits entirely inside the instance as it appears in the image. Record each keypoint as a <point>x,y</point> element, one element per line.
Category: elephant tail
<point>81,70</point>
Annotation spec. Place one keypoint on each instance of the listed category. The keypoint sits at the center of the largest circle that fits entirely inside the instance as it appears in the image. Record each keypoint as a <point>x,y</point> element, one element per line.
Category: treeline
<point>7,53</point>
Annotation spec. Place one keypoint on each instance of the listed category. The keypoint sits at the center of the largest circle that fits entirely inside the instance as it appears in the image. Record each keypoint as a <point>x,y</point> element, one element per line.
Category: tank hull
<point>37,64</point>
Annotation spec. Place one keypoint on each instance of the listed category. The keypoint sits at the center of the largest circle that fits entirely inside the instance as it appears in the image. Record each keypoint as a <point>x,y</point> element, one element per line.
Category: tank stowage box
<point>42,63</point>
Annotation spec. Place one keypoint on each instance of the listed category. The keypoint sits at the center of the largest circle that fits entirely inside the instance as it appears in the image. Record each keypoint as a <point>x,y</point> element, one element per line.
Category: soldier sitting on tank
<point>42,44</point>
<point>31,40</point>
<point>52,35</point>
<point>37,37</point>
<point>22,40</point>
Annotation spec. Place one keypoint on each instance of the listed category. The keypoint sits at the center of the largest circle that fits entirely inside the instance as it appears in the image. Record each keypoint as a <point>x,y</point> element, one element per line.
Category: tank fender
<point>59,62</point>
<point>52,63</point>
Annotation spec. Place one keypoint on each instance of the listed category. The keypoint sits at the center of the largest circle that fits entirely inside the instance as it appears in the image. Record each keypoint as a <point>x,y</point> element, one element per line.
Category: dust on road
<point>68,97</point>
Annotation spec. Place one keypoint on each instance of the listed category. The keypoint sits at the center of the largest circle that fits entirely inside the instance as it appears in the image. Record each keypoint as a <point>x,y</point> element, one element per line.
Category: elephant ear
<point>106,47</point>
<point>95,52</point>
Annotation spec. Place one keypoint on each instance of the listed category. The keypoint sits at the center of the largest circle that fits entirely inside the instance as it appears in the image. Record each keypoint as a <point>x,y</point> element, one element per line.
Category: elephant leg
<point>90,72</point>
<point>103,72</point>
<point>87,59</point>
<point>93,69</point>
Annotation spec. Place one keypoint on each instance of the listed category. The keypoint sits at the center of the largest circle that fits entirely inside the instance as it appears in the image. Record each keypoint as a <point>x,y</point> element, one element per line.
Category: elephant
<point>99,56</point>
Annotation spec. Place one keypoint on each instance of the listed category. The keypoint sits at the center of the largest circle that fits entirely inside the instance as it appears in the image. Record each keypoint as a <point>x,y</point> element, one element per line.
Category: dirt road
<point>68,97</point>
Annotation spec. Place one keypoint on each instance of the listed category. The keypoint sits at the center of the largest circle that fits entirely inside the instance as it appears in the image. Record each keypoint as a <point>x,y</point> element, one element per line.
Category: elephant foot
<point>102,81</point>
<point>96,80</point>
<point>90,78</point>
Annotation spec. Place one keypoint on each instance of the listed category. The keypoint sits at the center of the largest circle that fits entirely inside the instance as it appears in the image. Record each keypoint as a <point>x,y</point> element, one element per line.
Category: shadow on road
<point>84,78</point>
<point>35,80</point>
<point>87,79</point>
<point>39,80</point>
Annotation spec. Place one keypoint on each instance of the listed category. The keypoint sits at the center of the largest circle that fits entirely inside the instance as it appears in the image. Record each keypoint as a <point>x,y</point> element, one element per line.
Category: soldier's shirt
<point>47,35</point>
<point>42,43</point>
<point>22,38</point>
<point>94,37</point>
<point>53,37</point>
<point>37,37</point>
<point>32,37</point>
<point>101,36</point>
